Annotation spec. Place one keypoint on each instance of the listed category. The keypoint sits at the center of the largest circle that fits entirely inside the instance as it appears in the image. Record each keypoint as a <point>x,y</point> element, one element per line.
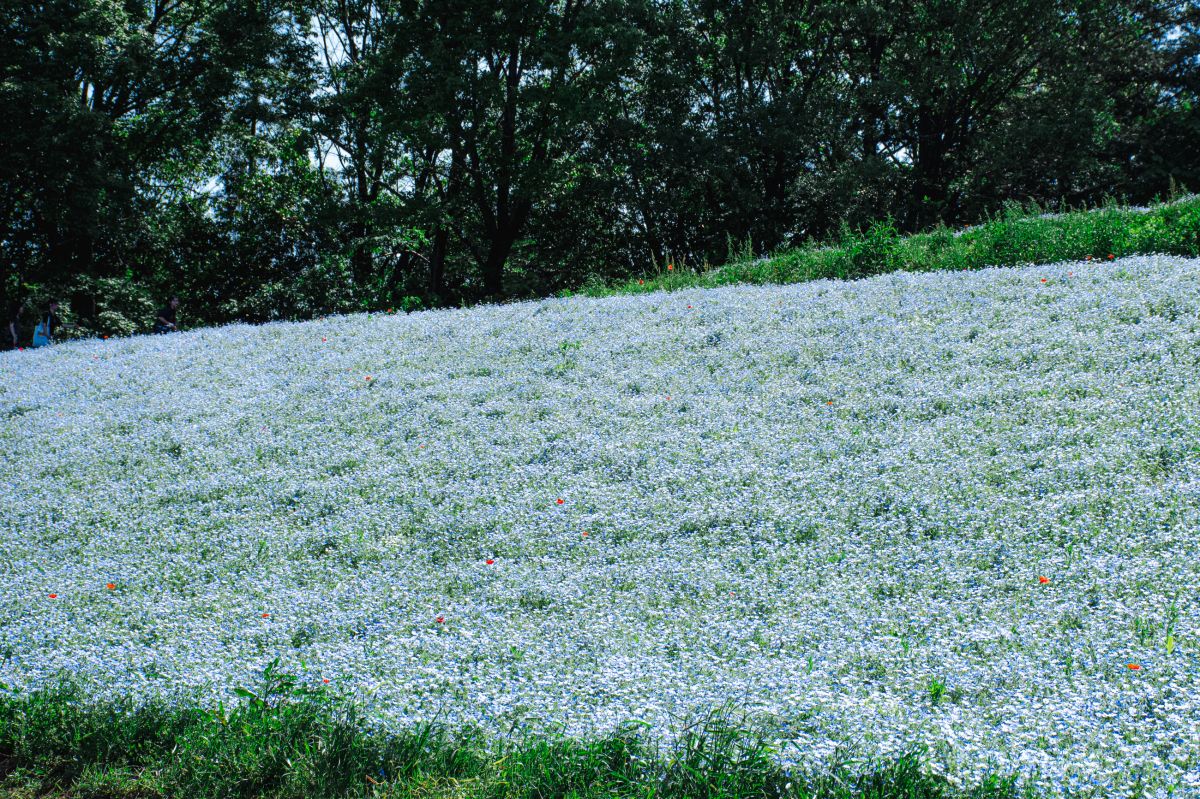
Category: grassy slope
<point>1017,237</point>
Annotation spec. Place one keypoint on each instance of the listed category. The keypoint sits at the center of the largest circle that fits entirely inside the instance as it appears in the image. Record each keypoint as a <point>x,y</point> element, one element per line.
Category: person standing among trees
<point>10,339</point>
<point>47,326</point>
<point>165,321</point>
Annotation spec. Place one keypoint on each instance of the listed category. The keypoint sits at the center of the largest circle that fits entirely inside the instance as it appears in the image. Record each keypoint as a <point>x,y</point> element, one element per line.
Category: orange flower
<point>1134,667</point>
<point>489,561</point>
<point>1089,257</point>
<point>559,501</point>
<point>266,615</point>
<point>1043,580</point>
<point>641,282</point>
<point>441,619</point>
<point>670,267</point>
<point>1043,280</point>
<point>829,403</point>
<point>326,681</point>
<point>585,533</point>
<point>54,596</point>
<point>367,378</point>
<point>1111,256</point>
<point>111,586</point>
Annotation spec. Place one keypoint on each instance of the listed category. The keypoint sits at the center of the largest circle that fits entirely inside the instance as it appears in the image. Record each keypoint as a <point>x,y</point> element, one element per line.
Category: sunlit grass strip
<point>1020,236</point>
<point>288,742</point>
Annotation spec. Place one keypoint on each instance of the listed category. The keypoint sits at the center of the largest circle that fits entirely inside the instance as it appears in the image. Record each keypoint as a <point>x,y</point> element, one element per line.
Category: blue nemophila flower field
<point>951,509</point>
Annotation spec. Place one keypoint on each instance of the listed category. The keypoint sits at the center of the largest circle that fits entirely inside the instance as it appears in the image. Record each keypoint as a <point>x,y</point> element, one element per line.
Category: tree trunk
<point>493,267</point>
<point>929,190</point>
<point>437,264</point>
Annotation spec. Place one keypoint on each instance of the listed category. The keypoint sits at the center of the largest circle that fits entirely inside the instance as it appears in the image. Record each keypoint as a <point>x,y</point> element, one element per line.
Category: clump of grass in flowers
<point>285,740</point>
<point>1017,235</point>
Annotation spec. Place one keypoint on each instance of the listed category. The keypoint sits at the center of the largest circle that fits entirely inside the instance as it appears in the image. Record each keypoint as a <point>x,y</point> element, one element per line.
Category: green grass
<point>282,741</point>
<point>1018,236</point>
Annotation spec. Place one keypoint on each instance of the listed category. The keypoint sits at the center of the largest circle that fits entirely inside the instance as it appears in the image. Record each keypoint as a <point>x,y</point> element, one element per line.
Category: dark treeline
<point>286,158</point>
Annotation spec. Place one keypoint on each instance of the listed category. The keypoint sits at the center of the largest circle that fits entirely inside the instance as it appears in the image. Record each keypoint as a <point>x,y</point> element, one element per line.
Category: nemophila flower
<point>975,435</point>
<point>1043,580</point>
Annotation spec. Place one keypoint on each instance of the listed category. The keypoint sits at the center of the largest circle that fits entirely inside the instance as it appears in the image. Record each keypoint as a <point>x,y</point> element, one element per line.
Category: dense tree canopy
<point>286,158</point>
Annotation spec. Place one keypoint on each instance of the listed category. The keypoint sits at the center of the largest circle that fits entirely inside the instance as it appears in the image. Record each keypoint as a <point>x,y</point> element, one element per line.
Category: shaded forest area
<point>287,158</point>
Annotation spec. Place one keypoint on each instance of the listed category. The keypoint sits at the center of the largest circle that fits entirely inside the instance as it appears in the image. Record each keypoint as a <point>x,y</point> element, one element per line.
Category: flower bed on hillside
<point>958,509</point>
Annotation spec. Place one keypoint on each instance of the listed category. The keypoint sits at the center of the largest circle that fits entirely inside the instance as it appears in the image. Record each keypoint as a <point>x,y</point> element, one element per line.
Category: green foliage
<point>281,160</point>
<point>1020,236</point>
<point>285,740</point>
<point>875,252</point>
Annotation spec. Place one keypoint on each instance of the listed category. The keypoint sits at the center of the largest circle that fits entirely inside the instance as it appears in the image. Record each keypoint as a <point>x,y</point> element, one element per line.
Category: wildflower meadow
<point>951,509</point>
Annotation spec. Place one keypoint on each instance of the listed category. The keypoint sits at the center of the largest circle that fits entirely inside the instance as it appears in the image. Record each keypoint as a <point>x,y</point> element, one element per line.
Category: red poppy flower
<point>111,586</point>
<point>1111,256</point>
<point>441,619</point>
<point>325,681</point>
<point>1134,667</point>
<point>1043,580</point>
<point>324,339</point>
<point>367,378</point>
<point>266,615</point>
<point>559,501</point>
<point>1089,257</point>
<point>641,282</point>
<point>670,267</point>
<point>689,307</point>
<point>54,596</point>
<point>489,561</point>
<point>1043,280</point>
<point>585,532</point>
